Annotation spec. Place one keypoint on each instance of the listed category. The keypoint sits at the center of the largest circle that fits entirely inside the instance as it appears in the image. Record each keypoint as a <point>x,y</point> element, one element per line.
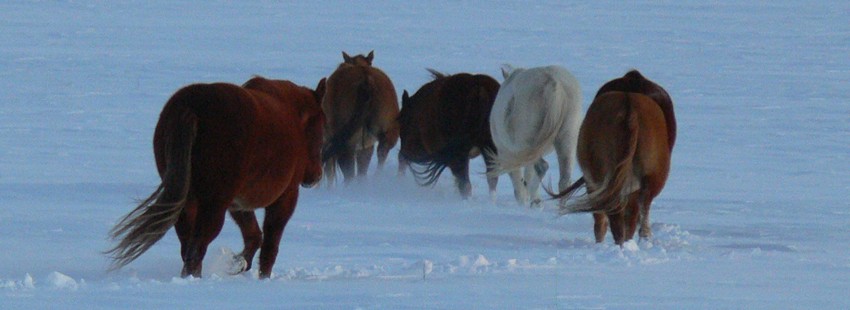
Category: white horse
<point>536,110</point>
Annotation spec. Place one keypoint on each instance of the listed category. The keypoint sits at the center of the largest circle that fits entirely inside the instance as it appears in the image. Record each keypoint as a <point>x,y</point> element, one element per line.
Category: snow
<point>754,214</point>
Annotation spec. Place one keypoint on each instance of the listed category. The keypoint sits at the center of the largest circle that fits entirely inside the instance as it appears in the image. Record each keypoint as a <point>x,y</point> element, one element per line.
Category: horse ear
<point>506,70</point>
<point>319,93</point>
<point>404,97</point>
<point>346,57</point>
<point>370,56</point>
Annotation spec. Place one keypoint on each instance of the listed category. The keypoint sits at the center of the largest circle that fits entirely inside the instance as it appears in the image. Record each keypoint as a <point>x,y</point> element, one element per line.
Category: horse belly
<point>256,195</point>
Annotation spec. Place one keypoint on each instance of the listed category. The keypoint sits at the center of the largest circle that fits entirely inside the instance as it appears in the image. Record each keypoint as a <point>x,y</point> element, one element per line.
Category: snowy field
<point>755,213</point>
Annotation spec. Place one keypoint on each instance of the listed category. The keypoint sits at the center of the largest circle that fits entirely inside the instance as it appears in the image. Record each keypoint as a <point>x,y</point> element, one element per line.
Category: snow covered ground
<point>755,213</point>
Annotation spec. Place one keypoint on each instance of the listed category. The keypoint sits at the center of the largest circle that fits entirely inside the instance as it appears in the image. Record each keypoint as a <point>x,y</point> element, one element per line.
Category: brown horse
<point>221,147</point>
<point>444,124</point>
<point>624,152</point>
<point>361,106</point>
<point>634,82</point>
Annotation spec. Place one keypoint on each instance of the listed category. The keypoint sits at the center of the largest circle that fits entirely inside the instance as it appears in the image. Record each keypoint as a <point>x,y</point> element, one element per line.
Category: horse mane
<point>436,74</point>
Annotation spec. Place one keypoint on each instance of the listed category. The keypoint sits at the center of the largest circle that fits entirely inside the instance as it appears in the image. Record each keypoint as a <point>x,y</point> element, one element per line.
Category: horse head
<point>406,127</point>
<point>359,60</point>
<point>313,122</point>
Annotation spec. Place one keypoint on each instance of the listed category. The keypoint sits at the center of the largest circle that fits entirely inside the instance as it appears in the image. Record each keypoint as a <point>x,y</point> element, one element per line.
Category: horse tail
<point>148,222</point>
<point>611,196</point>
<point>362,110</point>
<point>427,171</point>
<point>567,192</point>
<point>505,160</point>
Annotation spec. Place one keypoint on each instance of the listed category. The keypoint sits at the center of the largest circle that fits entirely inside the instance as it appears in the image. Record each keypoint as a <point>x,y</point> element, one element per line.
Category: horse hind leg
<point>185,226</point>
<point>600,226</point>
<point>364,157</point>
<point>492,181</point>
<point>520,190</point>
<point>208,224</point>
<point>403,165</point>
<point>645,200</point>
<point>632,215</point>
<point>386,141</point>
<point>534,176</point>
<point>346,163</point>
<point>617,221</point>
<point>460,171</point>
<point>330,172</point>
<point>566,157</point>
<point>252,236</point>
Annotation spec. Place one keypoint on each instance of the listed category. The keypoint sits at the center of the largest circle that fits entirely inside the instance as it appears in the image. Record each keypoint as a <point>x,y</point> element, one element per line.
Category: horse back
<point>532,107</point>
<point>348,83</point>
<point>247,144</point>
<point>634,82</point>
<point>450,110</point>
<point>474,96</point>
<point>606,133</point>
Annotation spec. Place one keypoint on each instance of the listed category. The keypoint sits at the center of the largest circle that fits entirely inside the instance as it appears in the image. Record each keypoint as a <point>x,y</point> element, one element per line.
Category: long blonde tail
<point>148,223</point>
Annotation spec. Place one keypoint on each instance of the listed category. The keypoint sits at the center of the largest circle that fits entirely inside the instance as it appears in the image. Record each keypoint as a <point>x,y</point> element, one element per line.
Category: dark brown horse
<point>361,107</point>
<point>221,147</point>
<point>444,124</point>
<point>624,153</point>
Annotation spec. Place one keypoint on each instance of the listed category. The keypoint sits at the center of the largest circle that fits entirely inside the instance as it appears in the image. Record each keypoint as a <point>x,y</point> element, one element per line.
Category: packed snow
<point>754,215</point>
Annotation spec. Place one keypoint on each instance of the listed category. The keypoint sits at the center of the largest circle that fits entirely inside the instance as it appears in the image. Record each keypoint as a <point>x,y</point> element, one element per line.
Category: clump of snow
<point>26,283</point>
<point>61,281</point>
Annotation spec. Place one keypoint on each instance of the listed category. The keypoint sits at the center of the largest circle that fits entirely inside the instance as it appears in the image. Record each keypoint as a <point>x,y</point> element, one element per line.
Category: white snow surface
<point>755,213</point>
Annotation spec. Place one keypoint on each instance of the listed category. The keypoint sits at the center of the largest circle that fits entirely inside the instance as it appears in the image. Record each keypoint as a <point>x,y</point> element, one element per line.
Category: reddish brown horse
<point>221,147</point>
<point>624,152</point>
<point>361,107</point>
<point>444,124</point>
<point>634,82</point>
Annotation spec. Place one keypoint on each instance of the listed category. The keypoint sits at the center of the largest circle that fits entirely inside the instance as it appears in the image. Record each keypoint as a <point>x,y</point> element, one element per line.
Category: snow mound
<point>61,281</point>
<point>26,283</point>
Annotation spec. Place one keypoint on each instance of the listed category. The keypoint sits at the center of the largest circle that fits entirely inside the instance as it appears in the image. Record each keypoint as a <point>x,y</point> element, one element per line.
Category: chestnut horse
<point>361,106</point>
<point>634,82</point>
<point>624,152</point>
<point>446,123</point>
<point>221,147</point>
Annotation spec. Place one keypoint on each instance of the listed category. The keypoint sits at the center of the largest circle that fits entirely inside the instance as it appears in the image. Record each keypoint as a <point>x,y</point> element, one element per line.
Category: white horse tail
<point>540,143</point>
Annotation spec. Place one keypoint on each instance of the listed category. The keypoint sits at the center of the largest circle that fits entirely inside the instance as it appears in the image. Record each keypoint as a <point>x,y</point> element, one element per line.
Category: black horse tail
<point>148,223</point>
<point>362,111</point>
<point>426,171</point>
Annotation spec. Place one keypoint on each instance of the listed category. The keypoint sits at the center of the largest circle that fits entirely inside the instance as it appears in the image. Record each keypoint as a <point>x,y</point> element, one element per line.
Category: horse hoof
<point>536,203</point>
<point>238,265</point>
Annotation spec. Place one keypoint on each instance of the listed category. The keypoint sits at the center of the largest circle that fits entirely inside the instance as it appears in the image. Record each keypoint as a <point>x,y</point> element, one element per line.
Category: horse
<point>624,152</point>
<point>222,147</point>
<point>361,107</point>
<point>634,82</point>
<point>445,124</point>
<point>536,110</point>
